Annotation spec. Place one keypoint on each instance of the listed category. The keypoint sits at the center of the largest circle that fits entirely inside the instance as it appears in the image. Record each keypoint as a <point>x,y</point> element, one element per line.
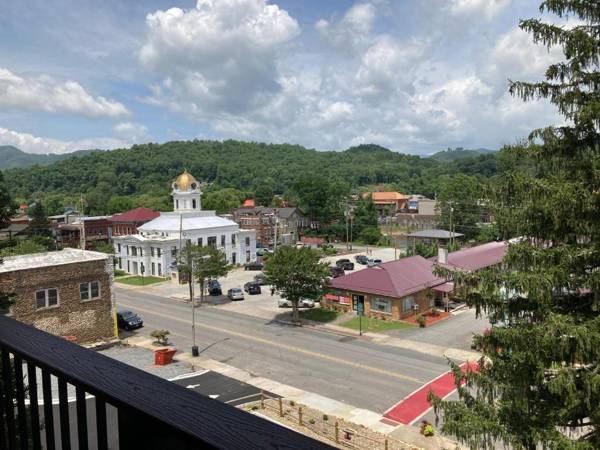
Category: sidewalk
<point>327,405</point>
<point>383,339</point>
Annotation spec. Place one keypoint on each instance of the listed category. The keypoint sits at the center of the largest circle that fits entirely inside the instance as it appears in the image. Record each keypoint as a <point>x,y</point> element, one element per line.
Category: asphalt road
<point>347,369</point>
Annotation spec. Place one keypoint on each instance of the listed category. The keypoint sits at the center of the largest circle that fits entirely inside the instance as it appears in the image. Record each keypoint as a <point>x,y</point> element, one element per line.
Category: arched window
<point>194,203</point>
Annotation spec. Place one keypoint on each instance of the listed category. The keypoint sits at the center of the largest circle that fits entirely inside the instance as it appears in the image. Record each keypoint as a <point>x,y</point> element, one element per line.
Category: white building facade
<point>153,251</point>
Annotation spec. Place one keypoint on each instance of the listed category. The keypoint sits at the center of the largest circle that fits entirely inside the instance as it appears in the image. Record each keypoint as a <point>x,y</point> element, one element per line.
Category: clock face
<point>194,185</point>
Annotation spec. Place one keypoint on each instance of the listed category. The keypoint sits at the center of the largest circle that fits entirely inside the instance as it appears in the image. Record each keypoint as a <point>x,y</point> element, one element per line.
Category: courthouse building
<point>154,248</point>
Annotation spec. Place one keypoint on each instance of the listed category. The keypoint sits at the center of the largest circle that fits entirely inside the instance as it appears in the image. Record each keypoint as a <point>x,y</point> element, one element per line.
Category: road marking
<point>192,386</point>
<point>189,375</point>
<point>246,397</point>
<point>213,395</point>
<point>279,345</point>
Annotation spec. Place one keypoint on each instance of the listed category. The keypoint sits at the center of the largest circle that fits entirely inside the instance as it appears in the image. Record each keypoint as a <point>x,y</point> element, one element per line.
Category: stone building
<point>67,293</point>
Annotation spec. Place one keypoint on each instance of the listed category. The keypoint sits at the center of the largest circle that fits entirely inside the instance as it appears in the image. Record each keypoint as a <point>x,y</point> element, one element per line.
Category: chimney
<point>442,254</point>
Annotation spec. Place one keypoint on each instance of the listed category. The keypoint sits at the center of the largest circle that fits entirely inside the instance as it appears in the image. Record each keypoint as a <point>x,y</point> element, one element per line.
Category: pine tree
<point>539,380</point>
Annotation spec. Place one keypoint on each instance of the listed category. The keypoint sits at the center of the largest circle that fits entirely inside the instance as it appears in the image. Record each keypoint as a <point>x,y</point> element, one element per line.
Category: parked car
<point>361,259</point>
<point>336,272</point>
<point>253,266</point>
<point>374,262</point>
<point>260,279</point>
<point>303,303</point>
<point>345,264</point>
<point>235,294</point>
<point>263,251</point>
<point>252,288</point>
<point>214,288</point>
<point>127,320</point>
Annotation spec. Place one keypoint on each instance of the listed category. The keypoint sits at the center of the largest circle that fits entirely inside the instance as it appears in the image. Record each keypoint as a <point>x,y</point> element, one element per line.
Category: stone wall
<point>89,321</point>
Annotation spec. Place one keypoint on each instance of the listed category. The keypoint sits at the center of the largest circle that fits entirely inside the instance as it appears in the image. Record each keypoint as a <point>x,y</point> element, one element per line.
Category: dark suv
<point>253,266</point>
<point>361,259</point>
<point>345,264</point>
<point>128,320</point>
<point>252,288</point>
<point>214,288</point>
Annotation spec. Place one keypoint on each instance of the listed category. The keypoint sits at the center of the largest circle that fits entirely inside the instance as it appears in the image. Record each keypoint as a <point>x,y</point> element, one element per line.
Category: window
<point>151,251</point>
<point>212,240</point>
<point>158,251</point>
<point>193,203</point>
<point>128,270</point>
<point>46,298</point>
<point>222,240</point>
<point>159,269</point>
<point>89,291</point>
<point>134,251</point>
<point>118,248</point>
<point>127,249</point>
<point>381,305</point>
<point>120,263</point>
<point>173,251</point>
<point>408,304</point>
<point>248,242</point>
<point>233,239</point>
<point>141,252</point>
<point>248,256</point>
<point>153,269</point>
<point>177,204</point>
<point>233,258</point>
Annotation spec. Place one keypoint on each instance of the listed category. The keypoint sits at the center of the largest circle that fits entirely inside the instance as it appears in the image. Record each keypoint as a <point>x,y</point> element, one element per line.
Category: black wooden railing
<point>144,411</point>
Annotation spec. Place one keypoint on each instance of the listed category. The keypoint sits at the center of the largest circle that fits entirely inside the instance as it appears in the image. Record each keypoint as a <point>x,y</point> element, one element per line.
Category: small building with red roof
<point>393,290</point>
<point>474,258</point>
<point>127,223</point>
<point>249,203</point>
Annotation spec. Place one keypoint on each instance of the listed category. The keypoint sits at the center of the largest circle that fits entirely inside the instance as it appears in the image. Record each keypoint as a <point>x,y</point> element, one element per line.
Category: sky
<point>415,76</point>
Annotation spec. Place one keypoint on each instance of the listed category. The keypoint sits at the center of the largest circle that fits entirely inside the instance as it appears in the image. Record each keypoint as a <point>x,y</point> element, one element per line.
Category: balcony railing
<point>145,412</point>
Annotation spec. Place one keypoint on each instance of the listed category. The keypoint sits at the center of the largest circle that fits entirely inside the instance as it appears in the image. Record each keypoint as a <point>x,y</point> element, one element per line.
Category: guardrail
<point>151,413</point>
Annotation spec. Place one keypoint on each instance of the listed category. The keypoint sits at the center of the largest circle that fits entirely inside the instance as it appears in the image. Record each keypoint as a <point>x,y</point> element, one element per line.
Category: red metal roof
<point>249,203</point>
<point>446,287</point>
<point>478,257</point>
<point>136,215</point>
<point>393,279</point>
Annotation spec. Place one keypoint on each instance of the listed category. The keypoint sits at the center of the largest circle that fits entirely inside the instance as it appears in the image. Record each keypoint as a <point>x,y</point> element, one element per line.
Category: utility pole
<point>451,233</point>
<point>347,231</point>
<point>351,217</point>
<point>276,226</point>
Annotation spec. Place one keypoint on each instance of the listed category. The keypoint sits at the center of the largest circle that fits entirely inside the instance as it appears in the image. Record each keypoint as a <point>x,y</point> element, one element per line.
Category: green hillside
<point>452,154</point>
<point>11,157</point>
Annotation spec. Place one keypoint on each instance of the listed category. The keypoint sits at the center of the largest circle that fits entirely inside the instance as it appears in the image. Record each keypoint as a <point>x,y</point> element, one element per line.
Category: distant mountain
<point>11,157</point>
<point>452,154</point>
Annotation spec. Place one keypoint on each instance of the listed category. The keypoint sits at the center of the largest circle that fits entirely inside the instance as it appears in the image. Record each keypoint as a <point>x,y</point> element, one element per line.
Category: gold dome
<point>185,182</point>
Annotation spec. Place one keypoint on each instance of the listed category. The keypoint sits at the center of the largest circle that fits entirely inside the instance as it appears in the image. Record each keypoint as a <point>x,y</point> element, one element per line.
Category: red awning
<point>446,287</point>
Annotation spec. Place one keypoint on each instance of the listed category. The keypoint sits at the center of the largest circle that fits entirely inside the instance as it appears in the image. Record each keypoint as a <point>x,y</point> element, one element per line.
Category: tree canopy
<point>539,383</point>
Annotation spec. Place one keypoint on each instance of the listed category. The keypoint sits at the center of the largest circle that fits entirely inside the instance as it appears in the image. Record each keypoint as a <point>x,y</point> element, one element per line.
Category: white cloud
<point>353,31</point>
<point>43,93</point>
<point>132,132</point>
<point>487,9</point>
<point>219,57</point>
<point>34,144</point>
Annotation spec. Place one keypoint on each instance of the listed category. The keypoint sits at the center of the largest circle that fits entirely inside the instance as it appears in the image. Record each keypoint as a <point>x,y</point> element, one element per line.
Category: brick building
<point>83,232</point>
<point>67,293</point>
<point>284,223</point>
<point>128,222</point>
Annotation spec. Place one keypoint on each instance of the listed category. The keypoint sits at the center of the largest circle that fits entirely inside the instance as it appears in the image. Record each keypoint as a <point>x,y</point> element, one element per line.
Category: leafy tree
<point>24,247</point>
<point>364,215</point>
<point>39,225</point>
<point>459,204</point>
<point>119,204</point>
<point>320,198</point>
<point>296,273</point>
<point>103,247</point>
<point>263,195</point>
<point>539,384</point>
<point>202,264</point>
<point>370,235</point>
<point>7,204</point>
<point>223,200</point>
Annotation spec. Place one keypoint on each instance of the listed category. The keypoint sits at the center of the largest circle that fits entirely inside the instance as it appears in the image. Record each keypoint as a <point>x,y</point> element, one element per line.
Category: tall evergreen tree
<point>39,225</point>
<point>539,380</point>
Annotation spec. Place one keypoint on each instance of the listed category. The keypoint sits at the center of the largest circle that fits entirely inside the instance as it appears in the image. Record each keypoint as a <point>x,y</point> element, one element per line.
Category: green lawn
<point>136,280</point>
<point>318,314</point>
<point>120,273</point>
<point>375,325</point>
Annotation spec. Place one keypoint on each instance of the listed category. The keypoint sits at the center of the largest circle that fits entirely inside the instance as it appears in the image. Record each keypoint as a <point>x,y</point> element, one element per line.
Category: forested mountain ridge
<point>149,169</point>
<point>452,154</point>
<point>11,157</point>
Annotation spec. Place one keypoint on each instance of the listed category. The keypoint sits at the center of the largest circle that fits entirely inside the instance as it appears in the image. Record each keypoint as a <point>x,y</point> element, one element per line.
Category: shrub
<point>427,429</point>
<point>325,417</point>
<point>292,403</point>
<point>254,407</point>
<point>161,336</point>
<point>421,321</point>
<point>311,421</point>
